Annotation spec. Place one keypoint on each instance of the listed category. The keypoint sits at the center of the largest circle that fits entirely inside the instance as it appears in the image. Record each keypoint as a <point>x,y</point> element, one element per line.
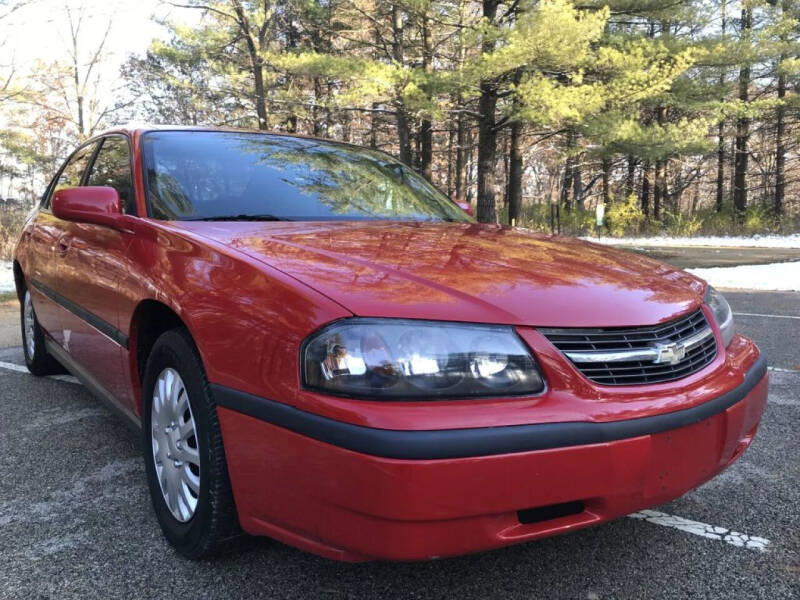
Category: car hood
<point>465,272</point>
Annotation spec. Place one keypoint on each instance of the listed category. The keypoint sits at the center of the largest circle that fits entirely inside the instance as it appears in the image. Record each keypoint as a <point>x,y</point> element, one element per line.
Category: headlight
<point>394,359</point>
<point>722,314</point>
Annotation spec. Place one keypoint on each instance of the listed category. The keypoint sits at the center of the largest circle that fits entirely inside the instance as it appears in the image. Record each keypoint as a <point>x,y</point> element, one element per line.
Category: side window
<point>73,171</point>
<point>112,167</point>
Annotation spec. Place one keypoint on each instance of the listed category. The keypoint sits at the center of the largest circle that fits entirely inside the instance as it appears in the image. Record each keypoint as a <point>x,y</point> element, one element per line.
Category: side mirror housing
<point>99,205</point>
<point>465,206</point>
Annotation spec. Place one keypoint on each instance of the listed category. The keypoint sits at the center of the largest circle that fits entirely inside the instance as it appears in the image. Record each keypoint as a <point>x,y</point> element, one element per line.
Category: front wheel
<point>184,457</point>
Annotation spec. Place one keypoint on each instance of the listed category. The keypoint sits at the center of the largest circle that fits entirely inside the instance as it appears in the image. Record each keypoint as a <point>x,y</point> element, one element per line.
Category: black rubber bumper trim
<point>104,327</point>
<point>482,441</point>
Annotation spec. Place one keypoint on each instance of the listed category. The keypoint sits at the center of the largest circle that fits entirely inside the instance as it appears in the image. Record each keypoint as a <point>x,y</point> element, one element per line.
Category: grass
<point>625,219</point>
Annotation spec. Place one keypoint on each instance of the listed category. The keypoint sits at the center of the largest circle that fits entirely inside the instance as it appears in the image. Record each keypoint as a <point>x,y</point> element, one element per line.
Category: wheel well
<point>150,319</point>
<point>19,280</point>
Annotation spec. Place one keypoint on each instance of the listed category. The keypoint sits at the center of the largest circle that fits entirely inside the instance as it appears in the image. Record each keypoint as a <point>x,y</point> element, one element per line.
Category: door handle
<point>62,246</point>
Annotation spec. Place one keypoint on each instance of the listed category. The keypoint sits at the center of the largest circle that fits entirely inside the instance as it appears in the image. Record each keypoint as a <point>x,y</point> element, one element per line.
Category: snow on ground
<point>784,276</point>
<point>6,276</point>
<point>756,241</point>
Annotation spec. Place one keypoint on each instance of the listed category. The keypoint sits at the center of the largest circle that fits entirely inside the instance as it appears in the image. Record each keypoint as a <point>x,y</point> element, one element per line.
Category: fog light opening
<point>551,511</point>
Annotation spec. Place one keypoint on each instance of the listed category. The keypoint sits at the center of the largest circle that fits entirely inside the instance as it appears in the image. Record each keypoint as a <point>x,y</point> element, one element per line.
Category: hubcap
<point>29,320</point>
<point>175,449</point>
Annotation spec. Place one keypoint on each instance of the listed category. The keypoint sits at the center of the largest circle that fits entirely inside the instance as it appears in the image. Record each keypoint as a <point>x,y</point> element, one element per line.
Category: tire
<point>208,527</point>
<point>38,361</point>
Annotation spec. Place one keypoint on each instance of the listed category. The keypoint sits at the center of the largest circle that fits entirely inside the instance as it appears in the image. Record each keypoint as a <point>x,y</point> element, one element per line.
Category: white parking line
<point>22,369</point>
<point>739,314</point>
<point>13,367</point>
<point>712,532</point>
<point>782,370</point>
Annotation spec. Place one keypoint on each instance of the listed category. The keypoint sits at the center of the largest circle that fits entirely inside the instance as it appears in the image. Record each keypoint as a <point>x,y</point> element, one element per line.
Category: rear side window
<point>72,173</point>
<point>112,168</point>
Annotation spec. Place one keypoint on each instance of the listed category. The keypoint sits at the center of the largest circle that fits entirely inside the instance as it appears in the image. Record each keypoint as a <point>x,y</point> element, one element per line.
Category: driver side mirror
<point>99,205</point>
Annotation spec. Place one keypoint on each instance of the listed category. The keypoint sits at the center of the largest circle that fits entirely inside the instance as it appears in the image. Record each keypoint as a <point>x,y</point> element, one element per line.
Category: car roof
<point>137,129</point>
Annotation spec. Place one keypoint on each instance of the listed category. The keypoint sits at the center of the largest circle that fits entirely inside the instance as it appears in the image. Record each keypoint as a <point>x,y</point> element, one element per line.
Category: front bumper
<point>356,493</point>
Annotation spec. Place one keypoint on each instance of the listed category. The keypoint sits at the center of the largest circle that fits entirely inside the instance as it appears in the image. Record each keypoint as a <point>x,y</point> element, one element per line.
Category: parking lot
<point>76,521</point>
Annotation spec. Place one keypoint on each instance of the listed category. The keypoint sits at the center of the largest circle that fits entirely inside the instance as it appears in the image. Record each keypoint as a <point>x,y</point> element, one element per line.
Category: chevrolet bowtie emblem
<point>671,353</point>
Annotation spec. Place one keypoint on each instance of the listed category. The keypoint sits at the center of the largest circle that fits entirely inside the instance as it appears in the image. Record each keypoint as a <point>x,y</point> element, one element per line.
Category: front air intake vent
<point>551,511</point>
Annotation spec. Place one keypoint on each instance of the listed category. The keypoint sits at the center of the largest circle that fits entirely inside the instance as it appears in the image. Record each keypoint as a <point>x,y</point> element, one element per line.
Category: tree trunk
<point>487,153</point>
<point>630,178</point>
<point>261,95</point>
<point>607,181</point>
<point>291,41</point>
<point>742,125</point>
<point>645,199</point>
<point>780,130</point>
<point>659,191</point>
<point>468,182</point>
<point>780,149</point>
<point>461,140</point>
<point>721,130</point>
<point>461,121</point>
<point>487,134</point>
<point>569,171</point>
<point>403,135</point>
<point>318,96</point>
<point>566,185</point>
<point>450,141</point>
<point>373,126</point>
<point>426,149</point>
<point>577,183</point>
<point>76,77</point>
<point>426,127</point>
<point>720,166</point>
<point>515,174</point>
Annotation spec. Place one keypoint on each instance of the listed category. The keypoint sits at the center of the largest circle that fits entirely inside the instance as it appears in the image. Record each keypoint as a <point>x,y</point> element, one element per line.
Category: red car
<point>320,347</point>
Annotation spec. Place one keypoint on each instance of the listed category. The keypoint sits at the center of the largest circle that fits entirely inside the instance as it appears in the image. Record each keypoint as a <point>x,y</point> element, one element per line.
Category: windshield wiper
<point>240,218</point>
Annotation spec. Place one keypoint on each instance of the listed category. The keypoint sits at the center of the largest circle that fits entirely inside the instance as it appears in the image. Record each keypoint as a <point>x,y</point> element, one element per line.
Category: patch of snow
<point>783,276</point>
<point>6,276</point>
<point>756,241</point>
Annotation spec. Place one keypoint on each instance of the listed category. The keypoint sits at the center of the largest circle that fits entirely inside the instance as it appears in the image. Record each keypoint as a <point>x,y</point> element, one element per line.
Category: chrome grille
<point>638,355</point>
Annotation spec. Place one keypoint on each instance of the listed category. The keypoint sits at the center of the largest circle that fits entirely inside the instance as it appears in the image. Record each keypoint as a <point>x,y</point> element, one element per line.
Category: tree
<point>743,122</point>
<point>787,68</point>
<point>549,100</point>
<point>7,70</point>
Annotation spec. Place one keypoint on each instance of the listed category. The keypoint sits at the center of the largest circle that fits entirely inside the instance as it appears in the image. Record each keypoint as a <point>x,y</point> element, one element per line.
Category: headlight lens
<point>722,314</point>
<point>396,359</point>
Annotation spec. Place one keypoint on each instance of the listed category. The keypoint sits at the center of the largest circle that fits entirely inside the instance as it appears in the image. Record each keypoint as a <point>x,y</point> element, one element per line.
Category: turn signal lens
<point>722,314</point>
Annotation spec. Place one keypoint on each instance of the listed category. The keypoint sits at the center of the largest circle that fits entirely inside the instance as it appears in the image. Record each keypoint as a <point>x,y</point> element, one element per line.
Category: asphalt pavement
<point>707,256</point>
<point>76,521</point>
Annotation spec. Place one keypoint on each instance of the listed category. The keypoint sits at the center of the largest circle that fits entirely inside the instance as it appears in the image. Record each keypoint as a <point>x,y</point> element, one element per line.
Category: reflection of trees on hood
<point>473,259</point>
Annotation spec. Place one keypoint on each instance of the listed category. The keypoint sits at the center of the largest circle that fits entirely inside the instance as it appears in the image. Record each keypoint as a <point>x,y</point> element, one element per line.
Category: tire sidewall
<point>173,350</point>
<point>37,364</point>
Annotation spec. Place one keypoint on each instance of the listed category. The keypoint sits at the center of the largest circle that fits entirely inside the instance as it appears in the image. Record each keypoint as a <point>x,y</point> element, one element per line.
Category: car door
<point>89,273</point>
<point>44,241</point>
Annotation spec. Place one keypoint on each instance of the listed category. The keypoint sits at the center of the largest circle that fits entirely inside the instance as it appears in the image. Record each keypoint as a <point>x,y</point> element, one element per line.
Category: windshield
<point>209,175</point>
